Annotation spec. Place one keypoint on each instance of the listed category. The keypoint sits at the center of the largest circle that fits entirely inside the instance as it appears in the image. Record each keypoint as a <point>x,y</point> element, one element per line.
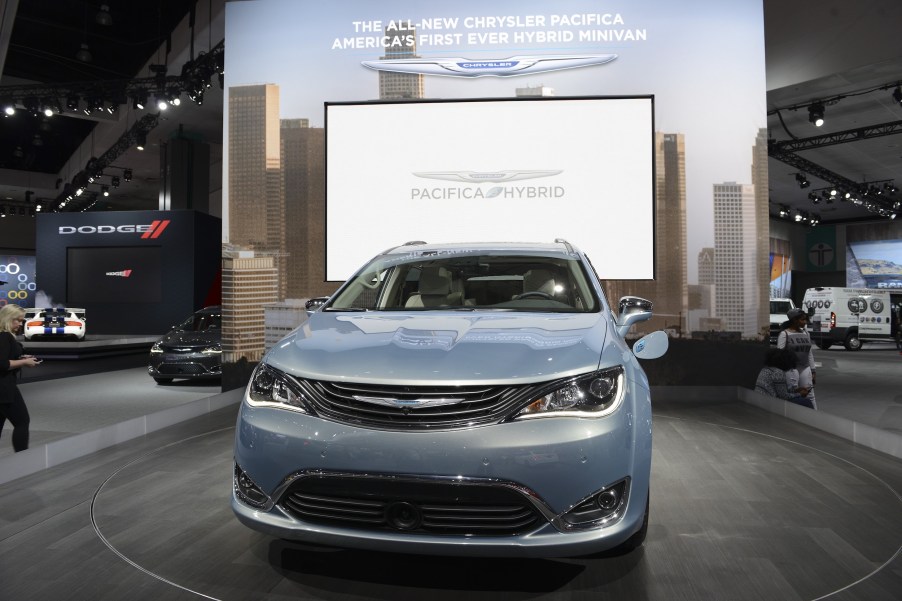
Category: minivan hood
<point>441,347</point>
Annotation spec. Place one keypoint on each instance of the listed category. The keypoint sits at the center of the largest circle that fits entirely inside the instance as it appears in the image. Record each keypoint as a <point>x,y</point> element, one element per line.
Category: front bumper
<point>549,466</point>
<point>185,365</point>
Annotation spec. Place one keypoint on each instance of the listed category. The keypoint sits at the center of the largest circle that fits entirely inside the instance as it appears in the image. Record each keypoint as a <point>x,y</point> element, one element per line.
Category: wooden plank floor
<point>745,505</point>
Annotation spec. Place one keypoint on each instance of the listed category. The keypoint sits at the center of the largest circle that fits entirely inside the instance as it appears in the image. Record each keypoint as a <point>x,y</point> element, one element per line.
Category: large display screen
<point>874,264</point>
<point>517,170</point>
<point>117,274</point>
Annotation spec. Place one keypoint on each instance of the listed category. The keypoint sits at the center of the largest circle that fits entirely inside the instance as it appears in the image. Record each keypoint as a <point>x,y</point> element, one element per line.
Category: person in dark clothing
<point>795,337</point>
<point>772,377</point>
<point>12,405</point>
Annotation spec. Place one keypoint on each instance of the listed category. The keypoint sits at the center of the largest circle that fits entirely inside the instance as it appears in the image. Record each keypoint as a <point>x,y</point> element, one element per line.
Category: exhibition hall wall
<point>134,272</point>
<point>701,64</point>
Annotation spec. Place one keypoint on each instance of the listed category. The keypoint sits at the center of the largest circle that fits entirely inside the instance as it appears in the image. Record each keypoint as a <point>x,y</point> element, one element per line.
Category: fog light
<point>602,508</point>
<point>247,490</point>
<point>608,499</point>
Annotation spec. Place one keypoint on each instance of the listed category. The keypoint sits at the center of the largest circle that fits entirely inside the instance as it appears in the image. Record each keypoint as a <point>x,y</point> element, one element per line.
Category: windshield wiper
<point>345,309</point>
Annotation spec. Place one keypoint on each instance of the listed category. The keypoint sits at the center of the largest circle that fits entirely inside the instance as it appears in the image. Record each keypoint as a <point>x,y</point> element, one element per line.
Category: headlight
<point>270,386</point>
<point>156,348</point>
<point>592,395</point>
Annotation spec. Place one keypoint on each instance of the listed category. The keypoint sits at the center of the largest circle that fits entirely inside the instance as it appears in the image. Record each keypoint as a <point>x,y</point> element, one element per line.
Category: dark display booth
<point>134,272</point>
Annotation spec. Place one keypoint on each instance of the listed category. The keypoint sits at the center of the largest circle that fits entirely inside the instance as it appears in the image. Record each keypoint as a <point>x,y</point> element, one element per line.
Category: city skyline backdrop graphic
<point>703,62</point>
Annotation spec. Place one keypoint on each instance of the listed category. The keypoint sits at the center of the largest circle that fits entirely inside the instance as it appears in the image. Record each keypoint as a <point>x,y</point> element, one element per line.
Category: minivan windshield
<point>469,281</point>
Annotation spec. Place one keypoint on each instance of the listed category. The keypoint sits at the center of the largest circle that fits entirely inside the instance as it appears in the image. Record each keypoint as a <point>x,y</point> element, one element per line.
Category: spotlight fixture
<point>140,99</point>
<point>816,113</point>
<point>784,211</point>
<point>196,96</point>
<point>802,180</point>
<point>92,104</point>
<point>9,107</point>
<point>127,175</point>
<point>105,190</point>
<point>897,94</point>
<point>142,141</point>
<point>103,16</point>
<point>49,107</point>
<point>890,188</point>
<point>84,54</point>
<point>72,102</point>
<point>114,181</point>
<point>812,196</point>
<point>172,95</point>
<point>162,104</point>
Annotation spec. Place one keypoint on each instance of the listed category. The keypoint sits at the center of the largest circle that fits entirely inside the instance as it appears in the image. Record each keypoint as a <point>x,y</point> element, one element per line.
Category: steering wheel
<point>538,293</point>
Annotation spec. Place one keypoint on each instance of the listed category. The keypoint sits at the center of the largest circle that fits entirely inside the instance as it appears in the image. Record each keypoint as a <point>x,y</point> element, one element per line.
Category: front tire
<point>853,342</point>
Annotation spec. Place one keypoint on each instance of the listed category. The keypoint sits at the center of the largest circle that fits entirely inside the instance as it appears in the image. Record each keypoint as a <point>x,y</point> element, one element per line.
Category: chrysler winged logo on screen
<point>147,231</point>
<point>505,67</point>
<point>476,177</point>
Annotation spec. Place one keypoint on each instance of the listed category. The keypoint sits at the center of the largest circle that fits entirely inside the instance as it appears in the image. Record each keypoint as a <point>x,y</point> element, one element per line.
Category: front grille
<point>441,508</point>
<point>414,407</point>
<point>181,368</point>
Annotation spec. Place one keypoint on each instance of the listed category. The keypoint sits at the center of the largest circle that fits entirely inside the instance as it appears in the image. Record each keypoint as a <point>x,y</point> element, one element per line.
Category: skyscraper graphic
<point>706,266</point>
<point>256,207</point>
<point>248,282</point>
<point>762,226</point>
<point>304,188</point>
<point>735,264</point>
<point>400,86</point>
<point>669,290</point>
<point>701,295</point>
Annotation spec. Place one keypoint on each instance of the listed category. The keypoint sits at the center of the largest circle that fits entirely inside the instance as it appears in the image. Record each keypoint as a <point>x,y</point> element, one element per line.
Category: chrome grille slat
<point>483,510</point>
<point>478,405</point>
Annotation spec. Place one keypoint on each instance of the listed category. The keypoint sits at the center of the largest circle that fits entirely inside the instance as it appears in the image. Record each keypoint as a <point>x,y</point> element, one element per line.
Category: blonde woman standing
<point>12,405</point>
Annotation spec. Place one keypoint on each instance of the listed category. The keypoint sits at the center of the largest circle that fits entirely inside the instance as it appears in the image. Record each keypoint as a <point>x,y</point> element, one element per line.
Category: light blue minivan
<point>455,399</point>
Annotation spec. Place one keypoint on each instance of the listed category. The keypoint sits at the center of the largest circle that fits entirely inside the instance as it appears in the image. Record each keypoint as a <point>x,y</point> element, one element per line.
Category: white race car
<point>54,322</point>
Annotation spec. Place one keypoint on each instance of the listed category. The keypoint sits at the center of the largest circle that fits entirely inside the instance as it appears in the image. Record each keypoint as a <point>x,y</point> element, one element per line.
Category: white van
<point>779,307</point>
<point>848,316</point>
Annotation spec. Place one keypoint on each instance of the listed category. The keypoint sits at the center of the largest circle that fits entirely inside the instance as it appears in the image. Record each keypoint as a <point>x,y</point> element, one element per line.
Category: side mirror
<point>652,346</point>
<point>632,310</point>
<point>315,303</point>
